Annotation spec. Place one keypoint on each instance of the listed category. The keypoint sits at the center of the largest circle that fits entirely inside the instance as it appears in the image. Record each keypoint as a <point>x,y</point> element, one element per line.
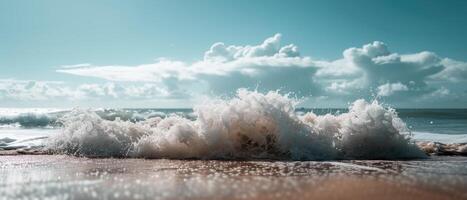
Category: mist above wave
<point>251,125</point>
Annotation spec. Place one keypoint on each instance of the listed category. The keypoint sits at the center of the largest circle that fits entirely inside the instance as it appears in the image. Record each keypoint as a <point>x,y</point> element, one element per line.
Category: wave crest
<point>251,125</point>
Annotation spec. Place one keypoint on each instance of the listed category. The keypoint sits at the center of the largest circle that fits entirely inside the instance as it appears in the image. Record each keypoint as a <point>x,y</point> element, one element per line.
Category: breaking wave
<point>28,120</point>
<point>251,125</point>
<point>41,119</point>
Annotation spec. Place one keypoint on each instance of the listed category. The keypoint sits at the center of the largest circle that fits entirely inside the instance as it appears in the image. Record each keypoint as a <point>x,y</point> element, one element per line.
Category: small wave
<point>437,148</point>
<point>30,143</point>
<point>6,141</point>
<point>435,113</point>
<point>250,126</point>
<point>31,119</point>
<point>28,120</point>
<point>442,138</point>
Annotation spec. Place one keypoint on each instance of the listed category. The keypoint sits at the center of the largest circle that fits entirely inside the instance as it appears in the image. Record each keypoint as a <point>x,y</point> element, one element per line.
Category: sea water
<point>251,125</point>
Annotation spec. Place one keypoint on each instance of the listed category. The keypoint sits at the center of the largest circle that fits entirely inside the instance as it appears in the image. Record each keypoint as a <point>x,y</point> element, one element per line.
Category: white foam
<point>443,138</point>
<point>251,125</point>
<point>28,117</point>
<point>12,112</point>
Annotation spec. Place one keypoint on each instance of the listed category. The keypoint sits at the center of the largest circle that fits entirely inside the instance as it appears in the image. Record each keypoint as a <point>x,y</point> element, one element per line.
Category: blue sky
<point>166,53</point>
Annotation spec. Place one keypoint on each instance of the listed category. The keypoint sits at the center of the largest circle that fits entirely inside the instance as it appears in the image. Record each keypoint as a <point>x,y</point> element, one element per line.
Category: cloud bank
<point>361,72</point>
<point>44,90</point>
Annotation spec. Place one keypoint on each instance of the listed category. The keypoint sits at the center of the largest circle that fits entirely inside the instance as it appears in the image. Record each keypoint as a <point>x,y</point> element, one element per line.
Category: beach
<point>254,146</point>
<point>212,100</point>
<point>70,177</point>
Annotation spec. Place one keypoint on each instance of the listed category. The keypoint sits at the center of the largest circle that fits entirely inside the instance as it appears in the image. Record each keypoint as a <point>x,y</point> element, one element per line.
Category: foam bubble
<point>437,148</point>
<point>252,125</point>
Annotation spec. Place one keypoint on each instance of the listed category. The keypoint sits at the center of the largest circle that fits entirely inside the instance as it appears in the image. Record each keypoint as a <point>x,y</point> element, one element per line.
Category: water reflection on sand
<point>66,177</point>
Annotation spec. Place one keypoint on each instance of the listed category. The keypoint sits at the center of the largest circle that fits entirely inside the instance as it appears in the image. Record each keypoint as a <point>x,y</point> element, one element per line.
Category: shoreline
<point>430,149</point>
<point>62,176</point>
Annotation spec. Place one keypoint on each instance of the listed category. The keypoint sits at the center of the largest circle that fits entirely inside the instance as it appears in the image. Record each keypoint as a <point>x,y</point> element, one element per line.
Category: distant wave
<point>442,144</point>
<point>31,119</point>
<point>7,143</point>
<point>28,120</point>
<point>443,138</point>
<point>435,113</point>
<point>250,126</point>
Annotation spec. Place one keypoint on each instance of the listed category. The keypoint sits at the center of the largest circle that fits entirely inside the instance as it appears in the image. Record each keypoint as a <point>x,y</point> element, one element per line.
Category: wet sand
<point>68,177</point>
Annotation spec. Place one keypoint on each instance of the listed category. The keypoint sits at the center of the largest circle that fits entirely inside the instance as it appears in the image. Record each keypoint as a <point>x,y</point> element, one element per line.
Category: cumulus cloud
<point>223,68</point>
<point>454,71</point>
<point>219,52</point>
<point>218,60</point>
<point>389,89</point>
<point>376,65</point>
<point>270,65</point>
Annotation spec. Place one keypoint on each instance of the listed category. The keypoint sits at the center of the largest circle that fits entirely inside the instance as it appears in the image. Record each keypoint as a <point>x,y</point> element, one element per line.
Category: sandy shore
<point>367,188</point>
<point>67,177</point>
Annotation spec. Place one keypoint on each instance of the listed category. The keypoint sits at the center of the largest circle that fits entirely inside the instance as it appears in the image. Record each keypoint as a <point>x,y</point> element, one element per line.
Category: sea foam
<point>251,125</point>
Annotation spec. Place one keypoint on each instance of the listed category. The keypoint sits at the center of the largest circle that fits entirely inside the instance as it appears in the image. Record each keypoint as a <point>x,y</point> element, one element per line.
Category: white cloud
<point>224,68</point>
<point>218,60</point>
<point>219,52</point>
<point>155,72</point>
<point>376,65</point>
<point>455,71</point>
<point>344,86</point>
<point>31,90</point>
<point>76,66</point>
<point>271,66</point>
<point>373,66</point>
<point>389,89</point>
<point>439,93</point>
<point>25,90</point>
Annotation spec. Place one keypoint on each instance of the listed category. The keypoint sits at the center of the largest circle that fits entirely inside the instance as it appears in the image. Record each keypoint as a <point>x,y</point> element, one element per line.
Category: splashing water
<point>250,126</point>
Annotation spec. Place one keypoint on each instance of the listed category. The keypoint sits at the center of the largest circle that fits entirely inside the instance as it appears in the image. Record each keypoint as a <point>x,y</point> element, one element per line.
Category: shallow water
<point>68,177</point>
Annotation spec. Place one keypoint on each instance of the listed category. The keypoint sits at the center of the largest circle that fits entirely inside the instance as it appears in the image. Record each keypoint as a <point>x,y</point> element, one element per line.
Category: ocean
<point>252,125</point>
<point>21,127</point>
<point>256,146</point>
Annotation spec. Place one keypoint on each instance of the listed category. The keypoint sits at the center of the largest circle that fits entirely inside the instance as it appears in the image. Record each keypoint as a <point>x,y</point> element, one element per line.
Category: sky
<point>176,54</point>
